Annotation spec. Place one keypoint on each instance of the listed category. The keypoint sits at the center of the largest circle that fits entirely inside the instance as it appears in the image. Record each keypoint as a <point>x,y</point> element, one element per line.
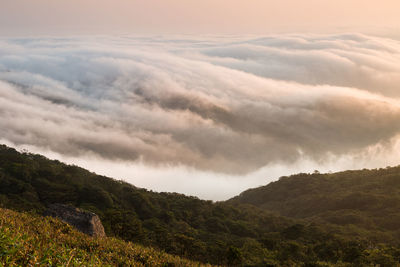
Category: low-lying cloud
<point>225,105</point>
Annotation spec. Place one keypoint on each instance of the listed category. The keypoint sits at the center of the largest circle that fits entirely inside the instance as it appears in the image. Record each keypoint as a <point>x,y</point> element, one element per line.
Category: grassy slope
<point>178,224</point>
<point>220,233</point>
<point>28,240</point>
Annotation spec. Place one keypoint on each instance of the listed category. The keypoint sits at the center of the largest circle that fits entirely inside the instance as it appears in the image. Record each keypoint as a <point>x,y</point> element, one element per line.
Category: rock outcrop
<point>85,221</point>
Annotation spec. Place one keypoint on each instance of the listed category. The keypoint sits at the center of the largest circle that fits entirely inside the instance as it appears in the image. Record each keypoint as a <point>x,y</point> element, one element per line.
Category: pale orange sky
<point>21,17</point>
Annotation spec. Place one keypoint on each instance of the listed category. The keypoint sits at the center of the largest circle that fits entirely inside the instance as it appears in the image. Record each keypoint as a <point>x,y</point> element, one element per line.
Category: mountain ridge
<point>225,233</point>
<point>366,198</point>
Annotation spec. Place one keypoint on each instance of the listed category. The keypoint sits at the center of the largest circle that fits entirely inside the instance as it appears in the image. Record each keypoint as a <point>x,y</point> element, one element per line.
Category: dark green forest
<point>365,203</point>
<point>343,219</point>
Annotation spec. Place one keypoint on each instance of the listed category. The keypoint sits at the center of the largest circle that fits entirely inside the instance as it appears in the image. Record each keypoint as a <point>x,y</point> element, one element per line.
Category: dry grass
<point>31,240</point>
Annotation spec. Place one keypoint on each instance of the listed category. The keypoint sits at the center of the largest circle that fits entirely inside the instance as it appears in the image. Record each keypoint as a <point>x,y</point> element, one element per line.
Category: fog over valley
<point>209,115</point>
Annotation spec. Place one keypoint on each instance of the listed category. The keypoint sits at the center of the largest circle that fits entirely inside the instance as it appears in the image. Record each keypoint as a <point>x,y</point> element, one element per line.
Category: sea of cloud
<point>208,116</point>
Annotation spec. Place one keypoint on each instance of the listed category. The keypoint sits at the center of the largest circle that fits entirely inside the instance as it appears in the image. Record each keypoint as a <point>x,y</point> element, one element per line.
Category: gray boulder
<point>85,221</point>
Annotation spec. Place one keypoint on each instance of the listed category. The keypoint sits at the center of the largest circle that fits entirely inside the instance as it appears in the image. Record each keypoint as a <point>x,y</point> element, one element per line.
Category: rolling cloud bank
<point>196,115</point>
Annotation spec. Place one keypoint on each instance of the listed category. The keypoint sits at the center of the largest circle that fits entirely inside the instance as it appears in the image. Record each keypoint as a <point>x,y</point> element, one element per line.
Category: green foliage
<point>363,203</point>
<point>234,233</point>
<point>30,240</point>
<point>234,256</point>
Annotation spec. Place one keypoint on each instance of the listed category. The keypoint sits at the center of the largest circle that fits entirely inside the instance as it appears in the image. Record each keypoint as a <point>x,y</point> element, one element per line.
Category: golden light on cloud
<point>204,111</point>
<point>255,88</point>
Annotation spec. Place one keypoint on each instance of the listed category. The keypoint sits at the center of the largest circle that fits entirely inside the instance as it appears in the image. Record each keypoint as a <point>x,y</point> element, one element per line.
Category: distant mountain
<point>364,202</point>
<point>234,233</point>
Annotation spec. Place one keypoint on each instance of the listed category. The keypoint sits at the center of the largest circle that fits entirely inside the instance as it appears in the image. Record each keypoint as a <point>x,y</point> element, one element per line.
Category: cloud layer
<point>216,104</point>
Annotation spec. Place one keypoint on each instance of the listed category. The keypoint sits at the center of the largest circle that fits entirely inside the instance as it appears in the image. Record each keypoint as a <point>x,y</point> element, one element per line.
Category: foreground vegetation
<point>234,233</point>
<point>31,240</point>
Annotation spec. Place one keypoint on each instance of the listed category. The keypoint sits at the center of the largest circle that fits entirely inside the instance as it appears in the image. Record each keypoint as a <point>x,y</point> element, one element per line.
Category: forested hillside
<point>366,202</point>
<point>230,233</point>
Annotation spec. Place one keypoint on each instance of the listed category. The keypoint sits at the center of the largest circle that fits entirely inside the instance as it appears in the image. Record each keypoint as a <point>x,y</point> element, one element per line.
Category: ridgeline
<point>341,219</point>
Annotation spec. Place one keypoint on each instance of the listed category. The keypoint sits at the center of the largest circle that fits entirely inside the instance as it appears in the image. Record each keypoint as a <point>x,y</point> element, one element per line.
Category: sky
<point>27,17</point>
<point>206,98</point>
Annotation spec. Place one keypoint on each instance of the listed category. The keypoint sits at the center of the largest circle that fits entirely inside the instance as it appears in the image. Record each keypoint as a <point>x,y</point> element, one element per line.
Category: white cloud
<point>221,110</point>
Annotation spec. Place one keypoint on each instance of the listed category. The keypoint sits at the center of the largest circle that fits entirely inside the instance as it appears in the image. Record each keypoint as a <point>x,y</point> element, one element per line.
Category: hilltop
<point>363,202</point>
